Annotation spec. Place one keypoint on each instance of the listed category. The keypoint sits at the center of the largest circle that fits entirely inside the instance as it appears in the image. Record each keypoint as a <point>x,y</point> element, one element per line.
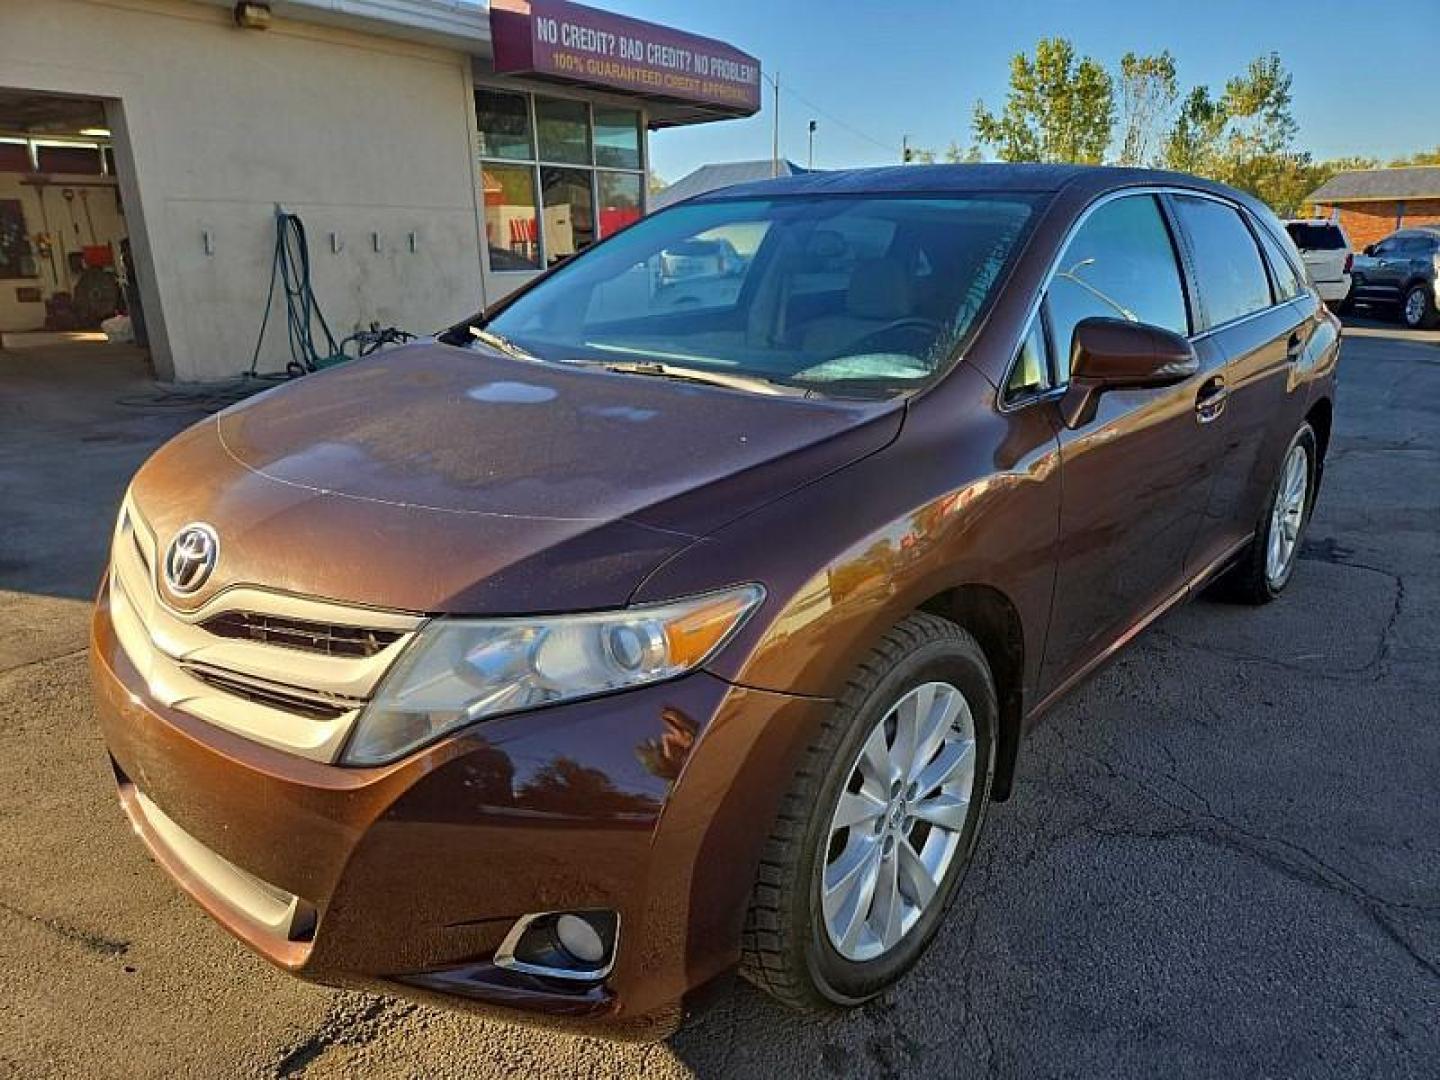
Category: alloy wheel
<point>1288,514</point>
<point>1414,307</point>
<point>897,826</point>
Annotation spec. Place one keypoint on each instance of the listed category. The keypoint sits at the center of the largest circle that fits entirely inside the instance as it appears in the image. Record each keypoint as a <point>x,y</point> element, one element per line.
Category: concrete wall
<point>63,218</point>
<point>213,126</point>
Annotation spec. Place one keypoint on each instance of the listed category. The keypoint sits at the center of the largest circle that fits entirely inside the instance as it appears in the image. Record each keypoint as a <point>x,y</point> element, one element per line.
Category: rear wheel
<point>1417,310</point>
<point>874,835</point>
<point>1267,564</point>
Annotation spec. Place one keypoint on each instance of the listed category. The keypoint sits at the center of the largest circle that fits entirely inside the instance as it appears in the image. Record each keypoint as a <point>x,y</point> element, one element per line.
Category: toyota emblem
<point>190,558</point>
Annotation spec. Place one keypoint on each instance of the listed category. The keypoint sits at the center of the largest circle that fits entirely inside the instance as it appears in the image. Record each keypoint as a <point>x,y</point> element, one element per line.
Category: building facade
<point>1373,203</point>
<point>439,152</point>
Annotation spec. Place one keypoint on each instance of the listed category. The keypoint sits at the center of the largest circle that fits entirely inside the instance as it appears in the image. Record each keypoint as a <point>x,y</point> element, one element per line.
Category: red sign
<point>579,44</point>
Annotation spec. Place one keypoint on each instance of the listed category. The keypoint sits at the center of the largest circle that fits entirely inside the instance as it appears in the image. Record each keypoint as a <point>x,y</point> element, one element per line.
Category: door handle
<point>1210,400</point>
<point>1294,348</point>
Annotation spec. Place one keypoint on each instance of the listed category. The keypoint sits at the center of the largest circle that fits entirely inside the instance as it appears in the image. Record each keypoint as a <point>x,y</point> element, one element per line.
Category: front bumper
<point>654,803</point>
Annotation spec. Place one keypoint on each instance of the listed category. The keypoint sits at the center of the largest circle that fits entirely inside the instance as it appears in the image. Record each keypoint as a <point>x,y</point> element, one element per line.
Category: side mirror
<point>1369,250</point>
<point>1115,354</point>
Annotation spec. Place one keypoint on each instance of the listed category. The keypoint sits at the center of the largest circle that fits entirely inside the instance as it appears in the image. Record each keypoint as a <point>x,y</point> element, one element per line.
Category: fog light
<point>576,946</point>
<point>579,939</point>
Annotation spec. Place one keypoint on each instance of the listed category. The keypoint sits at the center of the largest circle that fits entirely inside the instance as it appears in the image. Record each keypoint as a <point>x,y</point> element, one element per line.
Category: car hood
<point>438,479</point>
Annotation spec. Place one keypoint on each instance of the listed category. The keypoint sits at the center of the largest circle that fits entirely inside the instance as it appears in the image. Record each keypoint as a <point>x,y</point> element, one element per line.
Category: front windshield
<point>839,296</point>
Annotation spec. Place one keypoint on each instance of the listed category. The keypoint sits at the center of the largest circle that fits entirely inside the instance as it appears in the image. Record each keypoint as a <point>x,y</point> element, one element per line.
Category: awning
<point>558,41</point>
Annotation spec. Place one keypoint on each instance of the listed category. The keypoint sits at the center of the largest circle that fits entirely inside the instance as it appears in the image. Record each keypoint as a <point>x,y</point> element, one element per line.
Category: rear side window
<point>1316,235</point>
<point>1119,265</point>
<point>1416,245</point>
<point>1230,275</point>
<point>1282,272</point>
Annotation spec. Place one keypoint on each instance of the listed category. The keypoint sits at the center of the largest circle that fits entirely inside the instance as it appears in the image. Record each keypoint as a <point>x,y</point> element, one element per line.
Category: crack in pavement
<point>1375,668</point>
<point>344,1024</point>
<point>44,660</point>
<point>87,939</point>
<point>1285,857</point>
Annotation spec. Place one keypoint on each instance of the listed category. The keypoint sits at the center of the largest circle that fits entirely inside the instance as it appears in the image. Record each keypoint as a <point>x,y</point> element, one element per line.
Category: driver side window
<point>1120,265</point>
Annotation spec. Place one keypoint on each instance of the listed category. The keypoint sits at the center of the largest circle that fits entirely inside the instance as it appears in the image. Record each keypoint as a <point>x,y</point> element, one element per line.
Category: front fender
<point>965,495</point>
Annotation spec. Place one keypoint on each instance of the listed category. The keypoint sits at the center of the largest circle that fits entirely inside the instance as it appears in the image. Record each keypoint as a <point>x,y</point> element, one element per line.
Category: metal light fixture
<point>252,16</point>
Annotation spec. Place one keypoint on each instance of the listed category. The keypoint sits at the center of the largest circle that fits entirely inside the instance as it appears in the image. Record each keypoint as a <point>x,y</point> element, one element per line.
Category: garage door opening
<point>68,279</point>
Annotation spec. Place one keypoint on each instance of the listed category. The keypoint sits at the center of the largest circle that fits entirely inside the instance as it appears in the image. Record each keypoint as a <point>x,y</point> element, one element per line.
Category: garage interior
<point>65,263</point>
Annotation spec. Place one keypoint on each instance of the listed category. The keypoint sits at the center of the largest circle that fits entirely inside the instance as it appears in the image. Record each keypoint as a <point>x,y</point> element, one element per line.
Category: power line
<point>852,129</point>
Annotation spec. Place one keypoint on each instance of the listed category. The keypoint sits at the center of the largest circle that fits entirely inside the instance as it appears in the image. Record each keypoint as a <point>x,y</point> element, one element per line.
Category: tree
<point>655,183</point>
<point>1245,137</point>
<point>1424,157</point>
<point>1058,109</point>
<point>1148,91</point>
<point>1192,144</point>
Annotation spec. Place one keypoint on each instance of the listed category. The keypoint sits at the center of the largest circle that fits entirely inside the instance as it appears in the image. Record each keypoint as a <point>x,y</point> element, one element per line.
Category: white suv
<point>1326,251</point>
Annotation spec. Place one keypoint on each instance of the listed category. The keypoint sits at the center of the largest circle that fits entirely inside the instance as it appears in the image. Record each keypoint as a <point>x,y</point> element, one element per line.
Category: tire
<point>1254,579</point>
<point>1417,310</point>
<point>788,947</point>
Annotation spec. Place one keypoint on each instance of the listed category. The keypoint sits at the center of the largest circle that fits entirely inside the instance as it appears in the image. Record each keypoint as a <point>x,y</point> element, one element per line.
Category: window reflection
<point>617,138</point>
<point>569,212</point>
<point>511,222</point>
<point>564,130</point>
<point>619,201</point>
<point>557,175</point>
<point>504,121</point>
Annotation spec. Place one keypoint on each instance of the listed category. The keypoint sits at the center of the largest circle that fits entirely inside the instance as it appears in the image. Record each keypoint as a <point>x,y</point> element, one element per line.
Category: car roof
<point>971,179</point>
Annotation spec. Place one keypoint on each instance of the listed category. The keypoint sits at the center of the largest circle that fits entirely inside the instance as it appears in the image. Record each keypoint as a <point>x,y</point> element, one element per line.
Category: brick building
<point>1372,203</point>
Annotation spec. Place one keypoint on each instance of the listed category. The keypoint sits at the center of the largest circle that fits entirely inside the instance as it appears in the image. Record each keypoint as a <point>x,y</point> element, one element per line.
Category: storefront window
<point>512,230</point>
<point>504,121</point>
<point>545,197</point>
<point>564,128</point>
<point>619,200</point>
<point>569,212</point>
<point>617,138</point>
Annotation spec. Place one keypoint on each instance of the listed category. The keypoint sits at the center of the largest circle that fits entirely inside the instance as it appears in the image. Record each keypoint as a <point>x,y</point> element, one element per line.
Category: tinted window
<point>1316,236</point>
<point>1416,245</point>
<point>1232,279</point>
<point>564,130</point>
<point>843,296</point>
<point>1120,265</point>
<point>504,121</point>
<point>1287,282</point>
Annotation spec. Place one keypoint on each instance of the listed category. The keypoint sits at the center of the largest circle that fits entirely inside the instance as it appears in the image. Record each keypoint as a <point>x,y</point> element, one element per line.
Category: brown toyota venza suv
<point>681,615</point>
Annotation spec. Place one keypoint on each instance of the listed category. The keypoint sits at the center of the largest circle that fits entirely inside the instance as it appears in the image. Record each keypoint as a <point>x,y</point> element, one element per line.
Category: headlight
<point>458,671</point>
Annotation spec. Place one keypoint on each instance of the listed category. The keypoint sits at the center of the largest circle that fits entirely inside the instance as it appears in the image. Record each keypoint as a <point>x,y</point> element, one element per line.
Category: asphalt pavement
<point>1222,857</point>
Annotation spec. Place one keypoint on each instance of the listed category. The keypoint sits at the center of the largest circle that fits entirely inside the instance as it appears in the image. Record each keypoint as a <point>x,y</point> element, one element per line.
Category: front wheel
<point>1418,308</point>
<point>1267,564</point>
<point>879,824</point>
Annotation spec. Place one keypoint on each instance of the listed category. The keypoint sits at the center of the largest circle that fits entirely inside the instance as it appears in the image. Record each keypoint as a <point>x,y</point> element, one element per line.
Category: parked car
<point>1325,250</point>
<point>700,258</point>
<point>1399,273</point>
<point>564,663</point>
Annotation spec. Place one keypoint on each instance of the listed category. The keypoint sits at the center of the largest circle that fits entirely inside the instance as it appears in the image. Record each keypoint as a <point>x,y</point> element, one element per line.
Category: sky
<point>871,73</point>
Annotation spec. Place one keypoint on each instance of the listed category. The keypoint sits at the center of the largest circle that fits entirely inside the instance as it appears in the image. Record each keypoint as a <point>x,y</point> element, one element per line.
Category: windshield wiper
<point>752,383</point>
<point>503,344</point>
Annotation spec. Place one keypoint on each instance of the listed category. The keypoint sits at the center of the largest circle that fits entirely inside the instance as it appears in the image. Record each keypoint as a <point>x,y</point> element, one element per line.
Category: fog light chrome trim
<point>505,955</point>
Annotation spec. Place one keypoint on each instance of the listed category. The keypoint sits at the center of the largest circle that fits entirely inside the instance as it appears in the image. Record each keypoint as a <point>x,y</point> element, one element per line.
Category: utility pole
<point>904,149</point>
<point>775,142</point>
<point>810,162</point>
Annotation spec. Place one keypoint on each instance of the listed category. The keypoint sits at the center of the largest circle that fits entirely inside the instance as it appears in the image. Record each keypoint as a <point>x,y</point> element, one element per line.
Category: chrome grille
<point>289,699</point>
<point>288,671</point>
<point>329,639</point>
